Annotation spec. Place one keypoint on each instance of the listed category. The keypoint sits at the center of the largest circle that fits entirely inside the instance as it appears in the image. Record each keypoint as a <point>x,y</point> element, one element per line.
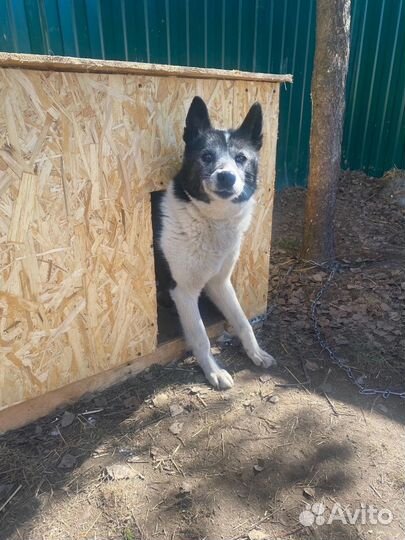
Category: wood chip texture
<point>80,154</point>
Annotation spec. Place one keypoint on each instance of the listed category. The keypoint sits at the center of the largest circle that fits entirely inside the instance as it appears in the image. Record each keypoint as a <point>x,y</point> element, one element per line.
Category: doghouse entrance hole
<point>169,327</point>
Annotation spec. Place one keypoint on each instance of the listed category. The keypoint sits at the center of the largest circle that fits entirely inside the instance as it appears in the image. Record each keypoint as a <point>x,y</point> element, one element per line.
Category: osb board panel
<point>77,276</point>
<point>251,275</point>
<point>79,154</point>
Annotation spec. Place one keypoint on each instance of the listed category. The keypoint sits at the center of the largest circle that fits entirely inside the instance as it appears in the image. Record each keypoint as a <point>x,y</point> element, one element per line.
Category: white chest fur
<point>197,238</point>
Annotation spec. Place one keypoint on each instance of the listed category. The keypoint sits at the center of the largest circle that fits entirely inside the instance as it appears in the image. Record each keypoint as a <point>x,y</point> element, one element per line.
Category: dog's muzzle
<point>225,184</point>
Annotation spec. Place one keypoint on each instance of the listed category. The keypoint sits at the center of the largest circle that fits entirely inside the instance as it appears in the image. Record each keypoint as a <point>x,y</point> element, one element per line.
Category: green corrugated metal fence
<point>256,35</point>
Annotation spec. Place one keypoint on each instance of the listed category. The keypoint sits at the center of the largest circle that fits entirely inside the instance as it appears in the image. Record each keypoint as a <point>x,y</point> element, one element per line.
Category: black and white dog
<point>205,212</point>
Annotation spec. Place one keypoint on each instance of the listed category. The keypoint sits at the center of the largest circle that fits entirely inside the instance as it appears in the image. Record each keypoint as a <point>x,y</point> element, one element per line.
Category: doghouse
<point>84,144</point>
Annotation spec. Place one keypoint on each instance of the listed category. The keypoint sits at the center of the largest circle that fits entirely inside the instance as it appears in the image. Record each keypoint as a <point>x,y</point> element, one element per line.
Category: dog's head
<point>219,165</point>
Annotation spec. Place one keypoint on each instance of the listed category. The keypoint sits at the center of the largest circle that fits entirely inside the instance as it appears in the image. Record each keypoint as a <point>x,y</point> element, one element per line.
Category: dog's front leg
<point>222,293</point>
<point>196,337</point>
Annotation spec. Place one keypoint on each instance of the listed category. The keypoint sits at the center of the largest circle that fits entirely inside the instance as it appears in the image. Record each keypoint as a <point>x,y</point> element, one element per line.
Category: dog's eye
<point>240,159</point>
<point>207,157</point>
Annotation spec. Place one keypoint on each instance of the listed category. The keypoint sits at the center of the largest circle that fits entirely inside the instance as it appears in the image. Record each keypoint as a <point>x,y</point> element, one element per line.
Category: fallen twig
<point>251,527</point>
<point>298,381</point>
<point>375,491</point>
<point>290,385</point>
<point>331,404</point>
<point>11,496</point>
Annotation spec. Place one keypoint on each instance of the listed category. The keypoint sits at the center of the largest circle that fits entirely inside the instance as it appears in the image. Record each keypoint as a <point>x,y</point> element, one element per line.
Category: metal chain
<point>334,358</point>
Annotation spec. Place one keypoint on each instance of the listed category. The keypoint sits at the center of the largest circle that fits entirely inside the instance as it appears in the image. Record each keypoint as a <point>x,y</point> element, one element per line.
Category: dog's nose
<point>226,179</point>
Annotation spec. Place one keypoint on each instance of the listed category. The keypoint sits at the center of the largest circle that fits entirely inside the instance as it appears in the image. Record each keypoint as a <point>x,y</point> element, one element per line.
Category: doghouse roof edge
<point>91,65</point>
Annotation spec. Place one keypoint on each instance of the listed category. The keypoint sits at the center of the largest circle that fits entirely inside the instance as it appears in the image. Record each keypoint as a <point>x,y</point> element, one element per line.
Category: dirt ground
<point>164,456</point>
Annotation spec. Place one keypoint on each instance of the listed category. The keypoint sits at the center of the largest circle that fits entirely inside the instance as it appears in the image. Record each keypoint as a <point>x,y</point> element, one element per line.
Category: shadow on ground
<point>240,457</point>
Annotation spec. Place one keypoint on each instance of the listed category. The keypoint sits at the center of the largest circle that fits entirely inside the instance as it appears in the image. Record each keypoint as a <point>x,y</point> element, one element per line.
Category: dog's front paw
<point>262,359</point>
<point>219,378</point>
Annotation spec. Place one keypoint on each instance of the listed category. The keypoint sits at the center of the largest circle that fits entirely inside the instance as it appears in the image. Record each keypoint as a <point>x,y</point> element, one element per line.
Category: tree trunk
<point>328,105</point>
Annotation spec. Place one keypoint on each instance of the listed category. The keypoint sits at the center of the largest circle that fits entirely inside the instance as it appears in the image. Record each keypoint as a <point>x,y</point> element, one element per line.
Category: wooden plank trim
<point>91,65</point>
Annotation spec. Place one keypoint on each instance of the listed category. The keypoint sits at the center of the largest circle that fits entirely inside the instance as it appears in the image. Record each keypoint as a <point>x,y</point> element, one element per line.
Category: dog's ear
<point>251,127</point>
<point>197,120</point>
